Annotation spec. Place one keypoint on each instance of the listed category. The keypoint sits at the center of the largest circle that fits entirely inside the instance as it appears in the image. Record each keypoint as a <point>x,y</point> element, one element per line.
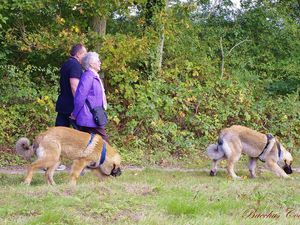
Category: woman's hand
<point>72,117</point>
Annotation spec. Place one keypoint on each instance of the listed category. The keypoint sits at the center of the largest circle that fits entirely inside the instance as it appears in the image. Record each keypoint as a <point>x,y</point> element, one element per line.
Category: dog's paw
<point>237,178</point>
<point>213,173</point>
<point>27,183</point>
<point>51,183</point>
<point>72,183</point>
<point>290,178</point>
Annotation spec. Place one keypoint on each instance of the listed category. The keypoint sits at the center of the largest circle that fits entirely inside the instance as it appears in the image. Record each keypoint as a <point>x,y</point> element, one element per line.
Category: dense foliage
<point>221,66</point>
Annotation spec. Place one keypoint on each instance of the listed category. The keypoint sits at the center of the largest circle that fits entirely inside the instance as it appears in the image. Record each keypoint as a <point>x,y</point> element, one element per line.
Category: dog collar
<point>91,139</point>
<point>269,138</point>
<point>279,150</point>
<point>103,154</point>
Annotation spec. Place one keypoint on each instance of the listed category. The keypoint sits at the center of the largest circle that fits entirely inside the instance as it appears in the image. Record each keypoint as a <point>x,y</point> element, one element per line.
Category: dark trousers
<point>63,119</point>
<point>96,130</point>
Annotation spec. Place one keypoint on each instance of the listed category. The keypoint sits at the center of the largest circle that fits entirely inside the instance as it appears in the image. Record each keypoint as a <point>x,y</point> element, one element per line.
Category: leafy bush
<point>27,100</point>
<point>181,116</point>
<point>157,114</point>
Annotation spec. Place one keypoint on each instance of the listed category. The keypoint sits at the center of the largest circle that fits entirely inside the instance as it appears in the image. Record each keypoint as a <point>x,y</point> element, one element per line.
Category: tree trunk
<point>160,49</point>
<point>99,25</point>
<point>161,41</point>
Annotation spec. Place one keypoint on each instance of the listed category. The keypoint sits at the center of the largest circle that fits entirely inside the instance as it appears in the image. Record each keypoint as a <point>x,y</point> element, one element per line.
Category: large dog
<point>235,140</point>
<point>83,148</point>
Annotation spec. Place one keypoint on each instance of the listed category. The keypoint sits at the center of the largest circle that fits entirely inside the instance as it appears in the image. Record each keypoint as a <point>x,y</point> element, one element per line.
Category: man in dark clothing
<point>70,74</point>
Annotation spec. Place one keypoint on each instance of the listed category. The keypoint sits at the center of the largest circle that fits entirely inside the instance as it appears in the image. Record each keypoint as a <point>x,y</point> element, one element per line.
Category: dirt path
<point>22,169</point>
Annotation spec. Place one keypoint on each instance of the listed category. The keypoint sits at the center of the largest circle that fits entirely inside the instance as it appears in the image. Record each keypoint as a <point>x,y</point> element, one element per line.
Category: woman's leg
<point>96,130</point>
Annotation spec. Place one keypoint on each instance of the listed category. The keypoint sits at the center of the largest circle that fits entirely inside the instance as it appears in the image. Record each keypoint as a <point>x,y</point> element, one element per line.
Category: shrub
<point>27,100</point>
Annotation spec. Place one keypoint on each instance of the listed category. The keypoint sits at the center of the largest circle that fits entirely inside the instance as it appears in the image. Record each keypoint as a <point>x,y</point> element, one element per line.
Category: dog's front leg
<point>252,166</point>
<point>230,170</point>
<point>29,175</point>
<point>273,166</point>
<point>77,166</point>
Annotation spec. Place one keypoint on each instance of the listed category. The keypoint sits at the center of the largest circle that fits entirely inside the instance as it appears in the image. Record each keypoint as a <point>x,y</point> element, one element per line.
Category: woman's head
<point>91,61</point>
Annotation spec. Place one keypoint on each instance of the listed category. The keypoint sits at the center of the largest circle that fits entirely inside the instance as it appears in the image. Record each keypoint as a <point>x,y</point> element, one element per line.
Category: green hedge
<point>174,116</point>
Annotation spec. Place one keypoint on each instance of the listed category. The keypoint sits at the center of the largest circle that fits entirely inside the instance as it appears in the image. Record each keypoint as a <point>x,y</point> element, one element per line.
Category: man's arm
<point>74,83</point>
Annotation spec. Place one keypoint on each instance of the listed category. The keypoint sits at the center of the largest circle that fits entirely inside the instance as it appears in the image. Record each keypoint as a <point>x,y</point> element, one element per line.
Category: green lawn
<point>151,197</point>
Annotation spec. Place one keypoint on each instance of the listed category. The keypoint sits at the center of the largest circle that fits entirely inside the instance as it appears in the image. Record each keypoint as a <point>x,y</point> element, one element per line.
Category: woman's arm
<point>82,91</point>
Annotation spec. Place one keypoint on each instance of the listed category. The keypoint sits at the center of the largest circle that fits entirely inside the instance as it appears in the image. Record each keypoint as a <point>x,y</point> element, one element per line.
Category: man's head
<point>78,51</point>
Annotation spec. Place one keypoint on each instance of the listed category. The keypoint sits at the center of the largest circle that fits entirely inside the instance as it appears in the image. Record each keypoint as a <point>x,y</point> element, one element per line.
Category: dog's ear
<point>110,164</point>
<point>107,167</point>
<point>288,158</point>
<point>99,174</point>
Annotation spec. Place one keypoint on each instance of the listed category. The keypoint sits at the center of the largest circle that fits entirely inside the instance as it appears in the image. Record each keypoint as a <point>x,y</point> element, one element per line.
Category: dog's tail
<point>215,151</point>
<point>24,149</point>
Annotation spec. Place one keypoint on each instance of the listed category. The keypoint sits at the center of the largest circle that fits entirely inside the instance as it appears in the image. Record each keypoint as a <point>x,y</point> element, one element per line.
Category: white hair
<point>89,58</point>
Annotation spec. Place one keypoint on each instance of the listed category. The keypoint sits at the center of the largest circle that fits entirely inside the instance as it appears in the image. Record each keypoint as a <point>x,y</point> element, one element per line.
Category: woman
<point>90,89</point>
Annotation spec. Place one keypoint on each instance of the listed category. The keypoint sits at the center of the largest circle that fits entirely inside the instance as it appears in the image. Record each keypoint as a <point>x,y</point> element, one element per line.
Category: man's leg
<point>74,125</point>
<point>62,119</point>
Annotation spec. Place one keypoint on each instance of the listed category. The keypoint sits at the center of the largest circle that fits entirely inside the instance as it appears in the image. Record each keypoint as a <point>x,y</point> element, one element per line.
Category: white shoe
<point>61,167</point>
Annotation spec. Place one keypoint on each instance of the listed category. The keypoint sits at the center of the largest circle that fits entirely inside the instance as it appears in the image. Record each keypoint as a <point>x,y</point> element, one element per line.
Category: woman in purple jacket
<point>90,88</point>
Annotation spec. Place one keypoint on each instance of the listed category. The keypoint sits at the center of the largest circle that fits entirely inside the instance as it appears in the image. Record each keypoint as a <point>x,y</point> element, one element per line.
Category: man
<point>70,74</point>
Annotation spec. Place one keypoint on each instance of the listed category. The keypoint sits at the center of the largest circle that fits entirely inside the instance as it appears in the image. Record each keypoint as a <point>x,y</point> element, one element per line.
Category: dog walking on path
<point>235,140</point>
<point>83,148</point>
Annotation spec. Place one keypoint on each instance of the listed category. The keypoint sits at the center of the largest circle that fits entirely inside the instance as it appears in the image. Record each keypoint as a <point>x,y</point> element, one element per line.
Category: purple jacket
<point>88,88</point>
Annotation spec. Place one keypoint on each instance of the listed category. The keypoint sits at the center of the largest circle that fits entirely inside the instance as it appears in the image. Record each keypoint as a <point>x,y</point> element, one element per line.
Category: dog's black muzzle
<point>116,172</point>
<point>287,169</point>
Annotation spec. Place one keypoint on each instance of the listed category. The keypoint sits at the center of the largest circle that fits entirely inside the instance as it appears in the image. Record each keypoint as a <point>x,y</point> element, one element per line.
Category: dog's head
<point>287,167</point>
<point>111,166</point>
<point>286,161</point>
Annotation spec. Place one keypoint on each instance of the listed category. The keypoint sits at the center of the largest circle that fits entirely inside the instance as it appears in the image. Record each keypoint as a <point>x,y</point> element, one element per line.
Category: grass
<point>151,197</point>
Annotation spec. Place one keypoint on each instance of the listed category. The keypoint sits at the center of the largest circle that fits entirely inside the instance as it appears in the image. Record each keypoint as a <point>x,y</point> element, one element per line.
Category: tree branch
<point>223,55</point>
<point>241,42</point>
